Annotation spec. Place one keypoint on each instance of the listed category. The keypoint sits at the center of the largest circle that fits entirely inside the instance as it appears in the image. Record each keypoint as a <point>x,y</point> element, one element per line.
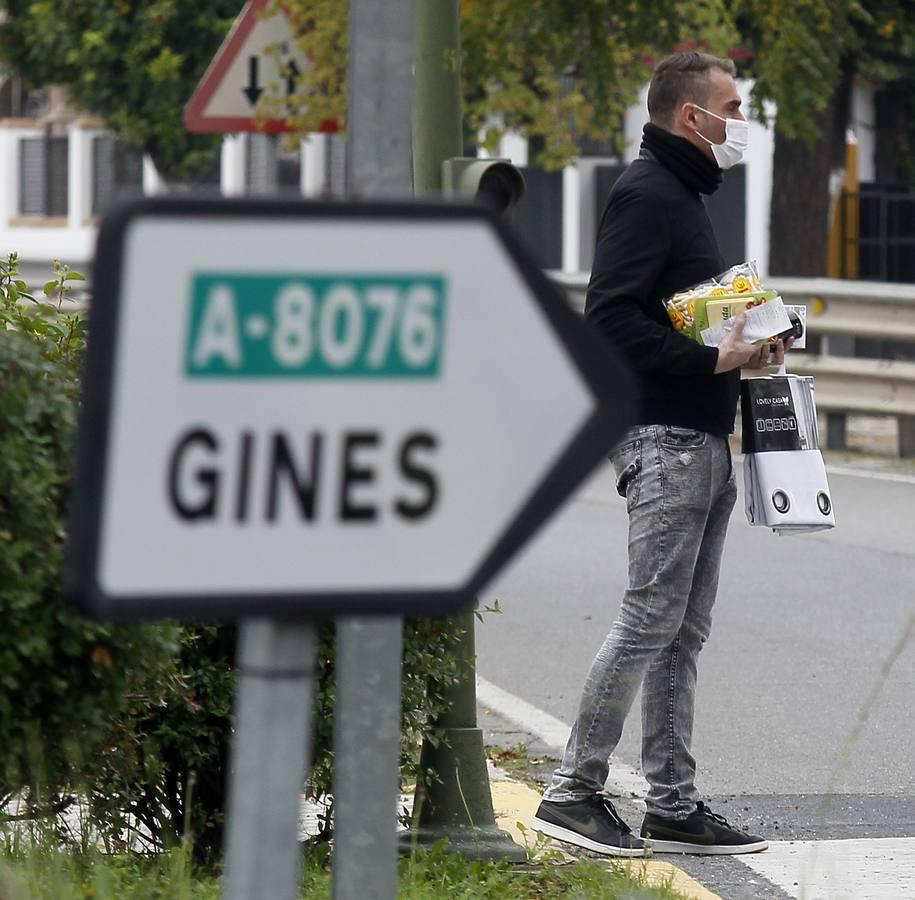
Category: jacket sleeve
<point>633,246</point>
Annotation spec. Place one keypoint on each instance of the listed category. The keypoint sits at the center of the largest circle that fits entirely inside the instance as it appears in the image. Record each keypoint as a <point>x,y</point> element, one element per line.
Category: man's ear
<point>687,116</point>
<point>684,122</point>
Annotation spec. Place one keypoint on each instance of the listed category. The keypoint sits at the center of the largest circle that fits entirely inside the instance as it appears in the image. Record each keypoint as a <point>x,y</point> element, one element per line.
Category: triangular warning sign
<point>258,54</point>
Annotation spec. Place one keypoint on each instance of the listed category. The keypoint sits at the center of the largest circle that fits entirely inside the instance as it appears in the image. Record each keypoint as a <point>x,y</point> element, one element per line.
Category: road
<point>806,709</point>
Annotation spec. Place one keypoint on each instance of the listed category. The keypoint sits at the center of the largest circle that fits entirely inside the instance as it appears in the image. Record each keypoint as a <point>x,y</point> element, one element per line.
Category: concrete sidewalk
<point>515,802</point>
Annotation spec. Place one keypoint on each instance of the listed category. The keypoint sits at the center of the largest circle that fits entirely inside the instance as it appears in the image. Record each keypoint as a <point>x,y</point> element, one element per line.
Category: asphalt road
<point>806,709</point>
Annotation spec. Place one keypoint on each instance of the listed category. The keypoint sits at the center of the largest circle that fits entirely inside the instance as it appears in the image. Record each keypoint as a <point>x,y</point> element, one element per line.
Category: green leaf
<point>75,276</point>
<point>50,287</point>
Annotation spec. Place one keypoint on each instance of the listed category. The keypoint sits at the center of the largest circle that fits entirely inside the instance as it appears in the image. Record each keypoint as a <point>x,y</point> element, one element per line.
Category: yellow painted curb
<point>514,802</point>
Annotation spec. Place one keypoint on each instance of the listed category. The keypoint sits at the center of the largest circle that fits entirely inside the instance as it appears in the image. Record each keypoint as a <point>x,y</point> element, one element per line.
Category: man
<point>674,468</point>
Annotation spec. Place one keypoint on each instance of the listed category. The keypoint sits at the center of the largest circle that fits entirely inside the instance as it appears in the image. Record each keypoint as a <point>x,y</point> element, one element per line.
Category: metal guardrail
<point>844,384</point>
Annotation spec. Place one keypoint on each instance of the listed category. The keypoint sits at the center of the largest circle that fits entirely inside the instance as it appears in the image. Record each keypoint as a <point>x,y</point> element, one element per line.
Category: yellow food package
<point>687,309</point>
<point>722,308</point>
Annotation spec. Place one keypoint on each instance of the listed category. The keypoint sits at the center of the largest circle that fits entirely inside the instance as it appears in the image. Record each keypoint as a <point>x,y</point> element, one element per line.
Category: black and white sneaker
<point>593,824</point>
<point>702,832</point>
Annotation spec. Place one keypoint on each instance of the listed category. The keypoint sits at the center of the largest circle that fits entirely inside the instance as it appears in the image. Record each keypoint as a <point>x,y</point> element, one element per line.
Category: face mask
<point>736,139</point>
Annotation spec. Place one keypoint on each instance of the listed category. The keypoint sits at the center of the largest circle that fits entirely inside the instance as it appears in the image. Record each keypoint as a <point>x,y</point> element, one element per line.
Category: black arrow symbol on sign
<point>292,75</point>
<point>252,91</point>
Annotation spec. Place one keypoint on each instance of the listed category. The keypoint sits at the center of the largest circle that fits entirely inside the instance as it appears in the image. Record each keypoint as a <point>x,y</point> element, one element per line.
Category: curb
<point>514,802</point>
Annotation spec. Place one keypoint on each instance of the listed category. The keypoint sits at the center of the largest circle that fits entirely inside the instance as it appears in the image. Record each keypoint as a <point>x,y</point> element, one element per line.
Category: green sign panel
<point>315,326</point>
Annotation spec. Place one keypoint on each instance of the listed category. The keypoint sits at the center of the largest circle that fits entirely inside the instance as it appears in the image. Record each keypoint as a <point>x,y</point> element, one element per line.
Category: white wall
<point>759,184</point>
<point>633,122</point>
<point>512,147</point>
<point>37,239</point>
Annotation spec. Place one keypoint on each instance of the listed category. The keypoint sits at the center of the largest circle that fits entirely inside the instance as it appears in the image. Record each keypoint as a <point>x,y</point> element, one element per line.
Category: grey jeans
<point>680,489</point>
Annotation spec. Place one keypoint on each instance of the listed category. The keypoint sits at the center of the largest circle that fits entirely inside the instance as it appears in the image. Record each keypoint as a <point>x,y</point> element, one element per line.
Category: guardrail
<point>845,384</point>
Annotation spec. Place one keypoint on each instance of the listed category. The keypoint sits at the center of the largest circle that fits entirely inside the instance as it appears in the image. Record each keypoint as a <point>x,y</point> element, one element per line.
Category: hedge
<point>129,722</point>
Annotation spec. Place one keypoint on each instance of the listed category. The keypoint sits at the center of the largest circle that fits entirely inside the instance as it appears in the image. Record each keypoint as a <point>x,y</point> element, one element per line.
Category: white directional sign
<point>296,406</point>
<point>258,55</point>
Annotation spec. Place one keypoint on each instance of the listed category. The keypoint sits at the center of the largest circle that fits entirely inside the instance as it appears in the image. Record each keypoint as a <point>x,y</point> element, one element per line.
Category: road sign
<point>301,407</point>
<point>258,55</point>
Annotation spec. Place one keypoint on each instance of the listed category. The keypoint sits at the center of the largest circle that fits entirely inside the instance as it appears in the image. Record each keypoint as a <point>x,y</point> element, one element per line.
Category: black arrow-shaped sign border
<point>601,369</point>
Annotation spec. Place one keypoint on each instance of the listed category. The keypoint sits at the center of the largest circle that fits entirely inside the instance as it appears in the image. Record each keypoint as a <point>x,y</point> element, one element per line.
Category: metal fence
<point>884,248</point>
<point>843,319</point>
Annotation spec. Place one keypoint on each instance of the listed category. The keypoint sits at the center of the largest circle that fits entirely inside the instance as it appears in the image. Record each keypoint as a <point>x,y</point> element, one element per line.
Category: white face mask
<point>736,139</point>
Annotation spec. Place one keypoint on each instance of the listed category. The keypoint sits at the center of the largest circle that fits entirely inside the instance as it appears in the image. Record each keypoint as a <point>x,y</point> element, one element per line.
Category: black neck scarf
<point>687,162</point>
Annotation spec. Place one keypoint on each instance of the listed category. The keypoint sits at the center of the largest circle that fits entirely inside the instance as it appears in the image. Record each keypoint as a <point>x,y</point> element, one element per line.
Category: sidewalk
<point>515,802</point>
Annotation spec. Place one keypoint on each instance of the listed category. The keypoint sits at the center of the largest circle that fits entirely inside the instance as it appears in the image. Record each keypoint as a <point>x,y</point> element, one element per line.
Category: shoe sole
<point>705,850</point>
<point>573,837</point>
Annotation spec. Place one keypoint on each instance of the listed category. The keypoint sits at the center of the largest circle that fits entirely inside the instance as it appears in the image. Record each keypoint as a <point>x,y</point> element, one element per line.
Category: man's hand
<point>734,352</point>
<point>763,360</point>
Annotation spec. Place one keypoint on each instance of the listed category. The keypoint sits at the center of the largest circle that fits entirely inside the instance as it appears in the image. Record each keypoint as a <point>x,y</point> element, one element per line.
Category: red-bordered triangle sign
<point>259,54</point>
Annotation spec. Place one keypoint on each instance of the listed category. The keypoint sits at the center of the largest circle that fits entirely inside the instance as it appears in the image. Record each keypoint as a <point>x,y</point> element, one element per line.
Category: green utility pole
<point>458,804</point>
<point>437,124</point>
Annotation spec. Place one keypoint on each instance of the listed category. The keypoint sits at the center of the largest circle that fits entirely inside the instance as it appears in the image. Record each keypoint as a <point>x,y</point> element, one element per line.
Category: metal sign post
<point>369,648</point>
<point>270,749</point>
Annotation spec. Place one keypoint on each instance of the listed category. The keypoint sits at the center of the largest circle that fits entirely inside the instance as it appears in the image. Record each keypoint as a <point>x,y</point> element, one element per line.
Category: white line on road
<point>873,476</point>
<point>624,780</point>
<point>867,869</point>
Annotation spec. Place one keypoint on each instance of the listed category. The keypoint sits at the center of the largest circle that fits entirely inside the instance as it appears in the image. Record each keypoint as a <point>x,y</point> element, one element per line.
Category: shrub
<point>171,771</point>
<point>64,679</point>
<point>133,719</point>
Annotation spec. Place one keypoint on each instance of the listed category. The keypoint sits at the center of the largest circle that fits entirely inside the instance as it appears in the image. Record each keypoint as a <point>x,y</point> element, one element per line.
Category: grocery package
<point>705,312</point>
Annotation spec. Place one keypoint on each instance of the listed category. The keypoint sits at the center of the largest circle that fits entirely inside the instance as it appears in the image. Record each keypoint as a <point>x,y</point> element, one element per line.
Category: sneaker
<point>702,832</point>
<point>593,824</point>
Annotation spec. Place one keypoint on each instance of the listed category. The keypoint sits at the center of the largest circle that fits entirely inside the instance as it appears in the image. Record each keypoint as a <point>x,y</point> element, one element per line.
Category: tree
<point>806,58</point>
<point>560,71</point>
<point>552,70</point>
<point>885,57</point>
<point>133,63</point>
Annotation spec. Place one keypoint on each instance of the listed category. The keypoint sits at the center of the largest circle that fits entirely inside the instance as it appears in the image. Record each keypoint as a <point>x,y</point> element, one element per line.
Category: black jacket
<point>655,239</point>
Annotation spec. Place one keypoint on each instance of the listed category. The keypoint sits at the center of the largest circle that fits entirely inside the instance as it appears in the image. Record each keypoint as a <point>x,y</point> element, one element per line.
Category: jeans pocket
<point>682,438</point>
<point>627,462</point>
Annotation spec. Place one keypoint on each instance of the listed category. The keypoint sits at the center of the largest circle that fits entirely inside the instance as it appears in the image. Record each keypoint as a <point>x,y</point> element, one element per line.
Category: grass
<point>39,870</point>
<point>42,874</point>
<point>55,875</point>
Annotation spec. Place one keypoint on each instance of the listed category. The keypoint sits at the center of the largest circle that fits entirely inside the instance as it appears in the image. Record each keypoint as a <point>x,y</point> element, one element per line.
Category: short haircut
<point>682,78</point>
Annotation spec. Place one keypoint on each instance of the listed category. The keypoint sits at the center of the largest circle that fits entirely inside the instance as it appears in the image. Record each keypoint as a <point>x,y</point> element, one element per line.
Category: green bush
<point>64,680</point>
<point>171,770</point>
<point>133,719</point>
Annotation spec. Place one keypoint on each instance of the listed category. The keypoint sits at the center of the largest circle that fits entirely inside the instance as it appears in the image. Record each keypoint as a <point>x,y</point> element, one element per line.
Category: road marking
<point>866,869</point>
<point>624,780</point>
<point>873,476</point>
